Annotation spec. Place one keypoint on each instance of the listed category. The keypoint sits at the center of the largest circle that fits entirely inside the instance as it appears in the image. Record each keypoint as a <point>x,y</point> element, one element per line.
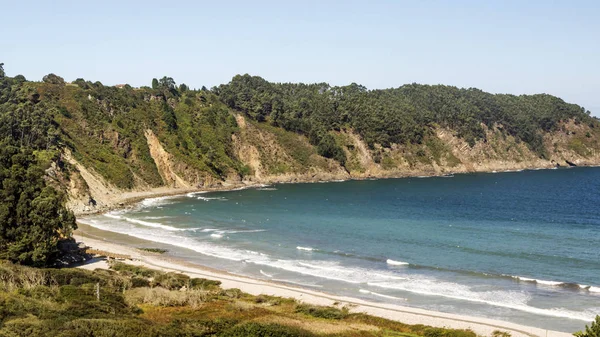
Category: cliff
<point>105,146</point>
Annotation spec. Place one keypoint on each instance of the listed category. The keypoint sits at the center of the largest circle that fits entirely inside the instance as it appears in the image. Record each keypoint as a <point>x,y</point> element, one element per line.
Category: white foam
<point>236,231</point>
<point>364,291</point>
<point>209,229</point>
<point>155,202</point>
<point>536,281</point>
<point>209,199</point>
<point>112,215</point>
<point>267,275</point>
<point>267,189</point>
<point>396,263</point>
<point>217,236</point>
<point>507,299</point>
<point>308,249</point>
<point>548,283</point>
<point>156,217</point>
<point>299,283</point>
<point>594,289</point>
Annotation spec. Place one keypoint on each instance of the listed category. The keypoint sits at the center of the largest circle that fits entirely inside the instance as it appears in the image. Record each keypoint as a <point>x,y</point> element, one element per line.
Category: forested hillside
<point>87,142</point>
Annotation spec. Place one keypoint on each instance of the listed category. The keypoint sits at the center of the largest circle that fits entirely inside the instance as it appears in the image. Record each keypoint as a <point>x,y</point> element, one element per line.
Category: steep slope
<point>121,143</point>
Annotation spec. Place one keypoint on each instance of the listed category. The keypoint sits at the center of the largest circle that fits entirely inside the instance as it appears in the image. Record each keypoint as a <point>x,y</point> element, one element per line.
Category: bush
<point>202,283</point>
<point>135,270</point>
<point>166,298</point>
<point>254,329</point>
<point>138,282</point>
<point>171,281</point>
<point>590,331</point>
<point>441,332</point>
<point>322,312</point>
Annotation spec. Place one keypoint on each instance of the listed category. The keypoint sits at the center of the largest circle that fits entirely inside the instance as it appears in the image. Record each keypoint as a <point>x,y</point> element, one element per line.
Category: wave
<point>267,275</point>
<point>364,291</point>
<point>157,217</point>
<point>566,285</point>
<point>156,202</point>
<point>516,300</point>
<point>236,231</point>
<point>216,235</point>
<point>299,283</point>
<point>146,223</point>
<point>594,289</point>
<point>267,189</point>
<point>396,263</point>
<point>209,199</point>
<point>308,249</point>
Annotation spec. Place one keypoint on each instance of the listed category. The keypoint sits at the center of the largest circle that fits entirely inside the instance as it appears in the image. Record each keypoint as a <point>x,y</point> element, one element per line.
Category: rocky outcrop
<point>271,155</point>
<point>164,162</point>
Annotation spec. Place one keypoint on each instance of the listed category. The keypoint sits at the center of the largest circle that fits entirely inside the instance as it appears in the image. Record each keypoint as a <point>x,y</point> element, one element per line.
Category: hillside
<point>96,142</point>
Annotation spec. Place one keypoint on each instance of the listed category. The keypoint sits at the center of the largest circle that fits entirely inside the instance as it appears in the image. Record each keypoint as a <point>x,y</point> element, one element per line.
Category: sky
<point>516,47</point>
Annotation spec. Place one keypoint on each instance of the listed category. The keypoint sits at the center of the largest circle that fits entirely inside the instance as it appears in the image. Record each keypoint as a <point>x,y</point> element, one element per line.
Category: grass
<point>137,301</point>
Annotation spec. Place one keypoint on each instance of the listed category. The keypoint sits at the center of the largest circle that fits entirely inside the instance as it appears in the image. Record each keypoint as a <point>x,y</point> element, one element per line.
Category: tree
<point>590,331</point>
<point>2,74</point>
<point>53,79</point>
<point>154,83</point>
<point>33,218</point>
<point>167,83</point>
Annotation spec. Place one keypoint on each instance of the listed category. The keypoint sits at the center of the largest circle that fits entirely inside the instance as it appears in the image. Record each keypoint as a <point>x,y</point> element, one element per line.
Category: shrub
<point>138,282</point>
<point>135,270</point>
<point>322,312</point>
<point>172,281</point>
<point>498,333</point>
<point>254,329</point>
<point>590,331</point>
<point>202,283</point>
<point>441,332</point>
<point>166,298</point>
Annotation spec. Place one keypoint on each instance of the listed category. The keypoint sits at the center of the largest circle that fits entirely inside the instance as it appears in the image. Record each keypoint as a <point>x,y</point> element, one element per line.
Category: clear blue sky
<point>499,46</point>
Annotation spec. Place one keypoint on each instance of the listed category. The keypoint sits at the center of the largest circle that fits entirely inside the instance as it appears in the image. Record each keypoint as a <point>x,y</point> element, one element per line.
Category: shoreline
<point>407,315</point>
<point>128,198</point>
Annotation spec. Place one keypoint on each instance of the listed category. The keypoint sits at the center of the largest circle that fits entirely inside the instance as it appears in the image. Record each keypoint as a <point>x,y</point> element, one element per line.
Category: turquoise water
<point>517,246</point>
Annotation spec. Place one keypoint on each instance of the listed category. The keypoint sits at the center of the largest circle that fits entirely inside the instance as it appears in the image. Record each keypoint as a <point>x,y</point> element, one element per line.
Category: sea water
<point>522,246</point>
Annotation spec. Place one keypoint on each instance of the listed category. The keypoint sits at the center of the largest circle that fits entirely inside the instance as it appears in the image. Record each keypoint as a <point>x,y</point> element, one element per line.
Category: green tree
<point>33,218</point>
<point>2,74</point>
<point>154,83</point>
<point>590,331</point>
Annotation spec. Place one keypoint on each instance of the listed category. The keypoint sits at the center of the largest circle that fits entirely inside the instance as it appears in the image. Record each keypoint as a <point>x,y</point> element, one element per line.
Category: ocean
<point>522,247</point>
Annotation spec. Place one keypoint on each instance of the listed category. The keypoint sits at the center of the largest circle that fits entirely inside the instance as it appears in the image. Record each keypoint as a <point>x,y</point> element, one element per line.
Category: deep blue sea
<point>516,246</point>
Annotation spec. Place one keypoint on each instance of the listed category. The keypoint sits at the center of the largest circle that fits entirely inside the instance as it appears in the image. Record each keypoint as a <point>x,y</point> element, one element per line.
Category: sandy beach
<point>482,326</point>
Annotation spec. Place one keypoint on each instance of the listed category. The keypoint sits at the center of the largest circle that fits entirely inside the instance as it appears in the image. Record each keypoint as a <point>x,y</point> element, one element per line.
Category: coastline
<point>408,315</point>
<point>126,199</point>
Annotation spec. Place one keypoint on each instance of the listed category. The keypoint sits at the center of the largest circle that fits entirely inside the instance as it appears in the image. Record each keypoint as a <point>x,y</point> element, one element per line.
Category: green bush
<point>322,312</point>
<point>254,329</point>
<point>590,331</point>
<point>171,281</point>
<point>202,283</point>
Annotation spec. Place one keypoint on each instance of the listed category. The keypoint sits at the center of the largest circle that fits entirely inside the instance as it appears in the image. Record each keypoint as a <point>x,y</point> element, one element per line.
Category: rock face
<point>267,154</point>
<point>164,162</point>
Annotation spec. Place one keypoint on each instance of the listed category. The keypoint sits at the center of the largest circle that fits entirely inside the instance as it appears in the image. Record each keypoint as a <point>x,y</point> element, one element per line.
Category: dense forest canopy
<point>400,115</point>
<point>105,128</point>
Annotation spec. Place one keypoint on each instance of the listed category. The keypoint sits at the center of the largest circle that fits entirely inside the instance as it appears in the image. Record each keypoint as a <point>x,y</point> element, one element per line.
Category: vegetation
<point>108,130</point>
<point>33,219</point>
<point>404,115</point>
<point>592,330</point>
<point>65,302</point>
<point>153,250</point>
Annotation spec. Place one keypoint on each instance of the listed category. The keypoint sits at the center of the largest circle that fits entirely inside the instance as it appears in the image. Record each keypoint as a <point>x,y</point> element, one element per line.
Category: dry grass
<point>165,298</point>
<point>318,326</point>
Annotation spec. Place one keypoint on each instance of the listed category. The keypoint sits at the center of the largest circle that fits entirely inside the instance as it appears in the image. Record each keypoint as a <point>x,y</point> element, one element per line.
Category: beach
<point>408,315</point>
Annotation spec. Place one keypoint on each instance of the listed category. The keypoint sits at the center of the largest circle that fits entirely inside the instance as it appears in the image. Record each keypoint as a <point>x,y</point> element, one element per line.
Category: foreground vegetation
<point>135,301</point>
